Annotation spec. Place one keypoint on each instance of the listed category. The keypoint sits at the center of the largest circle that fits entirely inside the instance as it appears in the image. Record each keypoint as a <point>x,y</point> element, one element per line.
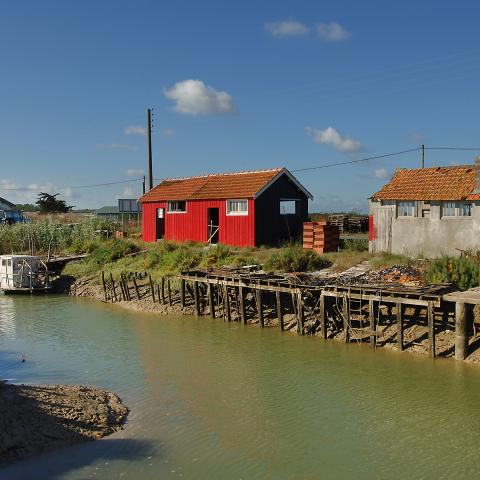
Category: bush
<point>295,259</point>
<point>354,244</point>
<point>462,272</point>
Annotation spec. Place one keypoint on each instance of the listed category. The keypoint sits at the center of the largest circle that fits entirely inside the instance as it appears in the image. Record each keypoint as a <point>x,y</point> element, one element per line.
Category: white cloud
<point>17,193</point>
<point>168,132</point>
<point>193,97</point>
<point>332,32</point>
<point>138,130</point>
<point>115,146</point>
<point>381,173</point>
<point>333,138</point>
<point>286,28</point>
<point>134,172</point>
<point>416,137</point>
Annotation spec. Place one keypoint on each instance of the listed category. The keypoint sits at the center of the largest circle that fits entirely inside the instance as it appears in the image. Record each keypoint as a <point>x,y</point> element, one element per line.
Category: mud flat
<point>37,418</point>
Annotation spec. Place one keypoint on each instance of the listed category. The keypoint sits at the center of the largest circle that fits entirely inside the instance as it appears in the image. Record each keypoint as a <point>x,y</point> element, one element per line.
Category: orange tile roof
<point>436,183</point>
<point>213,186</point>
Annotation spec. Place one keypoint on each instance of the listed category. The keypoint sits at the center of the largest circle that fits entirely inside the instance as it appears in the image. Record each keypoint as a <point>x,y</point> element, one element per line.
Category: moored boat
<point>23,274</point>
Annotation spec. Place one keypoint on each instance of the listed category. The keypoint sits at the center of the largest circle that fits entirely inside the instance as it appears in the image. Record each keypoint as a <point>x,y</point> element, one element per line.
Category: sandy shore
<point>37,418</point>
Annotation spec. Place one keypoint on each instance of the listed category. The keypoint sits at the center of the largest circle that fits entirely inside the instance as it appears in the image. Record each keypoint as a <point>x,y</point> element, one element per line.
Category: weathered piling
<point>169,292</point>
<point>196,297</point>
<point>278,299</point>
<point>461,335</point>
<point>260,307</point>
<point>399,326</point>
<point>431,330</point>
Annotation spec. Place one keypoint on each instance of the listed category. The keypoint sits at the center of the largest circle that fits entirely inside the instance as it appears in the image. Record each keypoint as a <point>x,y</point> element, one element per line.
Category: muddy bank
<point>37,418</point>
<point>415,322</point>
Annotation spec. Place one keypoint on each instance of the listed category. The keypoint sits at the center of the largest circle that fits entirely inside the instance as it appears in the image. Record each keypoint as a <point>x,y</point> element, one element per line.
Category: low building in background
<point>127,210</point>
<point>427,212</point>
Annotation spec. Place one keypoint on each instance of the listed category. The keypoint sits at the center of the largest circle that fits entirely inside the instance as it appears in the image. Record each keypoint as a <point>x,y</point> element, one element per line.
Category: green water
<point>222,401</point>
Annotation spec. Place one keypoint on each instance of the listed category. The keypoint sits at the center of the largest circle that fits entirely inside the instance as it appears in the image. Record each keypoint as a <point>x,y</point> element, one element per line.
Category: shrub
<point>354,244</point>
<point>462,272</point>
<point>295,259</point>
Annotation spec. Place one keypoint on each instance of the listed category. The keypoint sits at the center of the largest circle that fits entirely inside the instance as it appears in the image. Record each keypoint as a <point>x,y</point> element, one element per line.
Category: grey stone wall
<point>431,235</point>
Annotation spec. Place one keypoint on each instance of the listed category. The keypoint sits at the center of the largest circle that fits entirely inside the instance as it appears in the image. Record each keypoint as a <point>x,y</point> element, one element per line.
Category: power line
<point>35,189</point>
<point>358,160</point>
<point>473,149</point>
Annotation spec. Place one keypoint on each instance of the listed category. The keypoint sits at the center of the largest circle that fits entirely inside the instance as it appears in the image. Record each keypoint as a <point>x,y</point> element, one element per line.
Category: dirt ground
<point>36,418</point>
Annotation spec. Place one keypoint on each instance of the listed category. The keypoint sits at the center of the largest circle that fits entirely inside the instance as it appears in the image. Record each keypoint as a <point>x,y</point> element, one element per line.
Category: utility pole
<point>144,184</point>
<point>423,156</point>
<point>149,130</point>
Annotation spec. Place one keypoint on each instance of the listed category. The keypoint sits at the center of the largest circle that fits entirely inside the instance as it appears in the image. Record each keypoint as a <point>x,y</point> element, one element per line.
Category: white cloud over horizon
<point>17,193</point>
<point>286,28</point>
<point>193,97</point>
<point>137,130</point>
<point>331,137</point>
<point>332,32</point>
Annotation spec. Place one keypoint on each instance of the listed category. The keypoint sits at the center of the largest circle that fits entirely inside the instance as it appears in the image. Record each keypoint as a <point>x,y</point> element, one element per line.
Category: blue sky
<point>234,86</point>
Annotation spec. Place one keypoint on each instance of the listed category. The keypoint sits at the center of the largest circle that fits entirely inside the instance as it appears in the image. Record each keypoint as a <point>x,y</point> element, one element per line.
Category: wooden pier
<point>363,313</point>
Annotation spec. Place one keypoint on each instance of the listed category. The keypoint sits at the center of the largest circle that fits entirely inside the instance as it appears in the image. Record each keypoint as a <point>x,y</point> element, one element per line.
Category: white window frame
<point>295,202</point>
<point>171,202</point>
<point>242,213</point>
<point>411,205</point>
<point>444,209</point>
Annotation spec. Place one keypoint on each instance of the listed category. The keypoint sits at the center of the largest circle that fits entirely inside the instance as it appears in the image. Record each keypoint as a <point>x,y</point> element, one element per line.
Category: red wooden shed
<point>252,208</point>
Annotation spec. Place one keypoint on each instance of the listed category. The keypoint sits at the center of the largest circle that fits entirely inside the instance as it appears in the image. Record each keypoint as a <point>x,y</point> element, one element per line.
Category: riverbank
<point>415,334</point>
<point>37,418</point>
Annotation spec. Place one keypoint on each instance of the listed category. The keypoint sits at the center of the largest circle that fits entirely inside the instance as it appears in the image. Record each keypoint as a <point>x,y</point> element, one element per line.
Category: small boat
<point>23,274</point>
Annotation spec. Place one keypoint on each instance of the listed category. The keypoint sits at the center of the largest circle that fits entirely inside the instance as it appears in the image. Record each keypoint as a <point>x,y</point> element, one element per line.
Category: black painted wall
<point>273,228</point>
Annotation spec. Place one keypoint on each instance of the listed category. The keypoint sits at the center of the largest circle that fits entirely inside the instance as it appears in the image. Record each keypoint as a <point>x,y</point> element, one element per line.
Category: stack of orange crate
<point>321,237</point>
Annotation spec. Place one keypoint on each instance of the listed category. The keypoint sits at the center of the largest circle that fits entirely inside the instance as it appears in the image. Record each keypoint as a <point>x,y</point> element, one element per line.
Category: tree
<point>49,204</point>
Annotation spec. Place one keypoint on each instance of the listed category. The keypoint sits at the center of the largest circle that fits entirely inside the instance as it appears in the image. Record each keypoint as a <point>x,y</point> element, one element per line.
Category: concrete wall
<point>429,236</point>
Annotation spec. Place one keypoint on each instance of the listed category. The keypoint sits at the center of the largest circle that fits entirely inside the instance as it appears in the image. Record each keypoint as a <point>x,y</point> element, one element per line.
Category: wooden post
<point>243,311</point>
<point>182,292</point>
<point>136,288</point>
<point>226,303</point>
<point>196,298</point>
<point>431,330</point>
<point>211,299</point>
<point>122,289</point>
<point>169,292</point>
<point>151,288</point>
<point>280,310</point>
<point>300,317</point>
<point>461,332</point>
<point>260,308</point>
<point>158,294</point>
<point>126,287</point>
<point>323,315</point>
<point>373,326</point>
<point>163,290</point>
<point>113,287</point>
<point>104,286</point>
<point>399,326</point>
<point>346,318</point>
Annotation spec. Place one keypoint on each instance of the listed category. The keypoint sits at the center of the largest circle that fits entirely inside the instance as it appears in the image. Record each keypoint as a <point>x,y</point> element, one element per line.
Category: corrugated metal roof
<point>215,186</point>
<point>435,183</point>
